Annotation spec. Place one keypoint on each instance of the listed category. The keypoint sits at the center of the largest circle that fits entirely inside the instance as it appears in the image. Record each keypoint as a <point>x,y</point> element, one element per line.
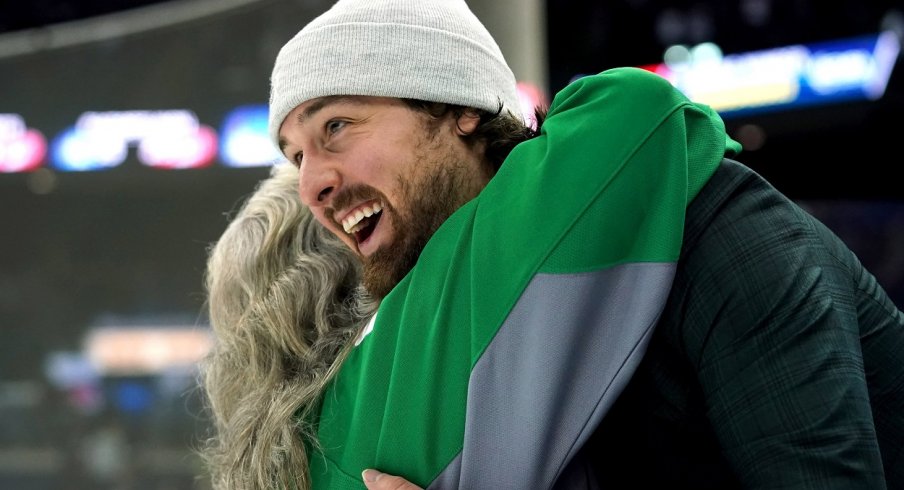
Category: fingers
<point>374,480</point>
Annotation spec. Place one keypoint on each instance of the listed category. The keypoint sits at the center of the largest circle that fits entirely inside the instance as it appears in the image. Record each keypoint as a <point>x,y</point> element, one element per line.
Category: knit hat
<point>432,50</point>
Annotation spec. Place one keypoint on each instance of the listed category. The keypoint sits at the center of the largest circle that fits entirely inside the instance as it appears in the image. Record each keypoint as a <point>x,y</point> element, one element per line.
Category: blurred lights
<point>246,140</point>
<point>194,148</point>
<point>756,12</point>
<point>893,21</point>
<point>794,75</point>
<point>693,25</point>
<point>21,148</point>
<point>733,82</point>
<point>706,53</point>
<point>145,350</point>
<point>42,181</point>
<point>67,370</point>
<point>676,54</point>
<point>848,68</point>
<point>751,136</point>
<point>165,139</point>
<point>72,373</point>
<point>133,397</point>
<point>530,96</point>
<point>75,151</point>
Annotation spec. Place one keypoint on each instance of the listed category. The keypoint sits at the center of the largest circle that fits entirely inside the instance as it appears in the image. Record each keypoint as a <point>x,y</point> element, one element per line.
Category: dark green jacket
<point>778,363</point>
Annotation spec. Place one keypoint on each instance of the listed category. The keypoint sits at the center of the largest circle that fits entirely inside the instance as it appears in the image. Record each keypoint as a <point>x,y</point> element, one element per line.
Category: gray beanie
<point>433,50</point>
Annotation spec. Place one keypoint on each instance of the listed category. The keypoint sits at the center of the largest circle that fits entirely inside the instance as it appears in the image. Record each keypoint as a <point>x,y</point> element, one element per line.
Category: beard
<point>427,199</point>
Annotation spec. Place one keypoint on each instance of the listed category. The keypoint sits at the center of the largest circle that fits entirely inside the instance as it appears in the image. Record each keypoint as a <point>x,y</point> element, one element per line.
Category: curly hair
<point>500,131</point>
<point>285,305</point>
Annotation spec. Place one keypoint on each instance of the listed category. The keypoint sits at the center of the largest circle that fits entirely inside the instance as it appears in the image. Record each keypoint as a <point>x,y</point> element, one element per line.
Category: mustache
<point>349,195</point>
<point>355,194</point>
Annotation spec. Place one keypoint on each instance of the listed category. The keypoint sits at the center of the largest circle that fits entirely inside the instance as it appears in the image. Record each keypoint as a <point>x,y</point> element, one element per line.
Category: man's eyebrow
<point>316,107</point>
<point>323,102</point>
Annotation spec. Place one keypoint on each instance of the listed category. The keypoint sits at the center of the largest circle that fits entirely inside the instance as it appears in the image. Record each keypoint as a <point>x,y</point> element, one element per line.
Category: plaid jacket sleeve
<point>773,330</point>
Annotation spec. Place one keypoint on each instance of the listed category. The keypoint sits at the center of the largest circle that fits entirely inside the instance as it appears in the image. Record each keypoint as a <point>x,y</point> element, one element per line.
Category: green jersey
<point>495,358</point>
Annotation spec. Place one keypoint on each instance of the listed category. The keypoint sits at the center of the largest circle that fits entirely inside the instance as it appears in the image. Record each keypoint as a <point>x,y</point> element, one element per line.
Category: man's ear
<point>467,122</point>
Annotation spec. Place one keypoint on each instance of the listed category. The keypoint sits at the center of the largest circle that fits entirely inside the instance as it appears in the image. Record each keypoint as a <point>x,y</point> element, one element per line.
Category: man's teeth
<point>352,223</point>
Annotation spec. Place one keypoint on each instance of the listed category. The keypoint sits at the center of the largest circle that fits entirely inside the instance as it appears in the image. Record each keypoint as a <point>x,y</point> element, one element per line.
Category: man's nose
<point>318,180</point>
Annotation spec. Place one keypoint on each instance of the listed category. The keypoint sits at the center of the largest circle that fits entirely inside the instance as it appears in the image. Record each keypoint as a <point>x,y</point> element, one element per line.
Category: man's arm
<point>776,347</point>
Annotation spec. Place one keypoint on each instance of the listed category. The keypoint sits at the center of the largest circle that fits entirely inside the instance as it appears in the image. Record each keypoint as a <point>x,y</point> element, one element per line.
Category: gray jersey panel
<point>555,367</point>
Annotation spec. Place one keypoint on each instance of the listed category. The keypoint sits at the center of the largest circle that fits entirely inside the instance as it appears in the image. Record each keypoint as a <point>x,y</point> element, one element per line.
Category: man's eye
<point>334,125</point>
<point>296,159</point>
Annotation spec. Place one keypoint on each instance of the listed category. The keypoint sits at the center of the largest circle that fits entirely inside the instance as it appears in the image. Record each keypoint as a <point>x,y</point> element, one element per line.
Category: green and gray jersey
<point>494,359</point>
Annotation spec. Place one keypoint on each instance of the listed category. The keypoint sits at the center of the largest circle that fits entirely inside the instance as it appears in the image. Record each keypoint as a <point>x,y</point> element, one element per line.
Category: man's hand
<point>374,480</point>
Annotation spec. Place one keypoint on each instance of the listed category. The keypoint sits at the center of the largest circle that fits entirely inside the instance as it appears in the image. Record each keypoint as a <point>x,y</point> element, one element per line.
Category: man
<point>519,299</point>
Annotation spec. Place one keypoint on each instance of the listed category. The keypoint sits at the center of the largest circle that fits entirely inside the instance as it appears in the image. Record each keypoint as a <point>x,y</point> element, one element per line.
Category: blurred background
<point>131,130</point>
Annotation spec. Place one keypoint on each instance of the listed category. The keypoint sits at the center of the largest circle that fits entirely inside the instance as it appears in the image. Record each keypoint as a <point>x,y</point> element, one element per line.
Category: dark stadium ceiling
<point>618,30</point>
<point>586,35</point>
<point>19,15</point>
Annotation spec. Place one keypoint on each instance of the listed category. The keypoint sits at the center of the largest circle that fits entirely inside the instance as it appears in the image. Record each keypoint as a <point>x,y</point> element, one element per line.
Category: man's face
<point>381,176</point>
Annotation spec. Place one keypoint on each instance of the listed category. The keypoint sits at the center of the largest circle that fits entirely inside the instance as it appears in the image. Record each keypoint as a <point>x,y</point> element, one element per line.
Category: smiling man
<point>610,301</point>
<point>382,175</point>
